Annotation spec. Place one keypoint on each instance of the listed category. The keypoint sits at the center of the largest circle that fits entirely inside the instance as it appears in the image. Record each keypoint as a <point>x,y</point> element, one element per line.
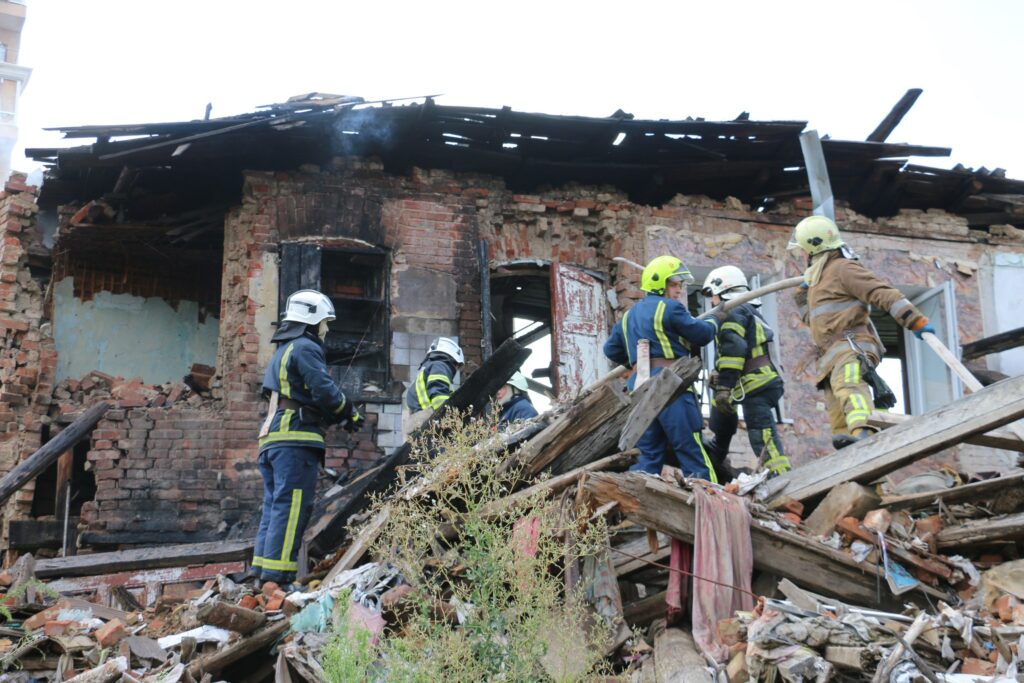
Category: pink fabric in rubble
<point>722,552</point>
<point>676,594</point>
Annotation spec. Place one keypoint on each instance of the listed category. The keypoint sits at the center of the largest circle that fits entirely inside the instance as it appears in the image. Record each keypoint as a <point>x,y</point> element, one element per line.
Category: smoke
<point>363,131</point>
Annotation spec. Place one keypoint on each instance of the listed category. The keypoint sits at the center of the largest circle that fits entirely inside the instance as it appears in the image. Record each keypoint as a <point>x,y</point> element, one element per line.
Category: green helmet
<point>816,234</point>
<point>660,271</point>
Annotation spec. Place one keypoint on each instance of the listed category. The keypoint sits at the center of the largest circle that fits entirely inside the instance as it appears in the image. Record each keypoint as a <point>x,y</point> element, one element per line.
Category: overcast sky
<point>128,61</point>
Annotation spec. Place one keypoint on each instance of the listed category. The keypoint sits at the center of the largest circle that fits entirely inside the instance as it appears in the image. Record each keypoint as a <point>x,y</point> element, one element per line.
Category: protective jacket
<point>838,304</point>
<point>519,407</point>
<point>671,330</point>
<point>743,357</point>
<point>298,373</point>
<point>433,383</point>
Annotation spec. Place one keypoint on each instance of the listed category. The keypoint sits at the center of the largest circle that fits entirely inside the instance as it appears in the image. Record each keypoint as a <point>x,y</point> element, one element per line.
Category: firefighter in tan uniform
<point>834,300</point>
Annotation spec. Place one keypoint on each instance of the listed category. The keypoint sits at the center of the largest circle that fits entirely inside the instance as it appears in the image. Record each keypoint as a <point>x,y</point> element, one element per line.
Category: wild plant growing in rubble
<point>500,568</point>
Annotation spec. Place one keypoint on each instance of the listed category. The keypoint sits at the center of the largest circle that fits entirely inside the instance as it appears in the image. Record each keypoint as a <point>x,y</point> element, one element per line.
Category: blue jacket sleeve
<point>615,346</point>
<point>439,379</point>
<point>697,332</point>
<point>311,364</point>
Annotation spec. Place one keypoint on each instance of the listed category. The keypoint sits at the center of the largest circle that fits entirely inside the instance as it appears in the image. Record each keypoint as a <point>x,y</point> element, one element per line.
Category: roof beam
<point>895,115</point>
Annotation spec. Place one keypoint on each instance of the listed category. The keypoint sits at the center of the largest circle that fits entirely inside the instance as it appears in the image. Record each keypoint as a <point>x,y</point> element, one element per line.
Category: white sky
<point>841,66</point>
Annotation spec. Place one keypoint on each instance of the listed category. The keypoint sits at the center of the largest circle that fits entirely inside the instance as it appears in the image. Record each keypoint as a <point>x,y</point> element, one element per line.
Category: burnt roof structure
<point>160,169</point>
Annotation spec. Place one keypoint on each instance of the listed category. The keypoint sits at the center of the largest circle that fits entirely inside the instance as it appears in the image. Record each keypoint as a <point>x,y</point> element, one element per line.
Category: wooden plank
<point>645,610</point>
<point>893,118</point>
<point>997,438</point>
<point>259,640</point>
<point>1003,341</point>
<point>982,531</point>
<point>667,386</point>
<point>971,382</point>
<point>668,509</point>
<point>34,465</point>
<point>882,453</point>
<point>566,430</point>
<point>144,558</point>
<point>29,534</point>
<point>360,545</point>
<point>978,491</point>
<point>677,660</point>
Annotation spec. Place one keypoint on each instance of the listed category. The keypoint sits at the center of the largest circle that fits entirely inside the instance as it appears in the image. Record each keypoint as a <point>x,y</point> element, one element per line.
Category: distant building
<point>13,78</point>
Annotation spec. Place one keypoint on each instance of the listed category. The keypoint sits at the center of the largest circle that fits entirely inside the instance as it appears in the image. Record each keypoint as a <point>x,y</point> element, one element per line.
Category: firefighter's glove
<point>927,327</point>
<point>353,423</point>
<point>723,401</point>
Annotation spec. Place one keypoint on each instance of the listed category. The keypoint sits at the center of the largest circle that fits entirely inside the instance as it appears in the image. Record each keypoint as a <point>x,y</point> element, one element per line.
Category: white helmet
<point>308,306</point>
<point>448,347</point>
<point>726,282</point>
<point>518,381</point>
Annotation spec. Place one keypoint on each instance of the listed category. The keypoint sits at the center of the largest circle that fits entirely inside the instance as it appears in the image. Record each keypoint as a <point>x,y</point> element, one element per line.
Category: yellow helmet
<point>660,271</point>
<point>816,234</point>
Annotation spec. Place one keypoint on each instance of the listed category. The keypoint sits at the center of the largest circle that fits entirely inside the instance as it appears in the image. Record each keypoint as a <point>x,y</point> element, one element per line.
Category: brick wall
<point>28,361</point>
<point>189,464</point>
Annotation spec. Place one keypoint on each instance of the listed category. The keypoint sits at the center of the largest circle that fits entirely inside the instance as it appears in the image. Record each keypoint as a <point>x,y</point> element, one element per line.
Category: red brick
<point>275,603</point>
<point>248,602</point>
<point>977,667</point>
<point>269,588</point>
<point>52,629</point>
<point>110,633</point>
<point>40,618</point>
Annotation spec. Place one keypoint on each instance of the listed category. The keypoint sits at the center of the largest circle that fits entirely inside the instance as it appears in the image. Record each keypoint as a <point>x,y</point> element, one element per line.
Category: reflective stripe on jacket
<point>744,337</point>
<point>298,371</point>
<point>671,330</point>
<point>839,303</point>
<point>433,384</point>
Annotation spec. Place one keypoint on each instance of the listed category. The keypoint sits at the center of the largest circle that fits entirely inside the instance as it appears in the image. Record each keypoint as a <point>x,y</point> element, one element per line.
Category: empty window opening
<point>521,309</point>
<point>357,282</point>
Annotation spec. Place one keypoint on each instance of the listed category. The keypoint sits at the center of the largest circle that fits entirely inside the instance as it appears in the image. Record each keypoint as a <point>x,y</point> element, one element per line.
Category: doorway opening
<point>521,309</point>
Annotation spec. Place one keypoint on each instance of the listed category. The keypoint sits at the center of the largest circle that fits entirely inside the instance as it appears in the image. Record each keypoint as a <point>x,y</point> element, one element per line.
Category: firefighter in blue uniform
<point>433,383</point>
<point>514,400</point>
<point>304,400</point>
<point>745,374</point>
<point>672,332</point>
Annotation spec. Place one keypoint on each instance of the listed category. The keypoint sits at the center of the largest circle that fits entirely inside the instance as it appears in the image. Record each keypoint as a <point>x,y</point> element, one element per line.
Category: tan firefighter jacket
<point>838,304</point>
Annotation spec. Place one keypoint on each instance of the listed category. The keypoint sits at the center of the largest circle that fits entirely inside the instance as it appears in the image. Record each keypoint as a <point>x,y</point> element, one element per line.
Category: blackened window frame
<point>303,267</point>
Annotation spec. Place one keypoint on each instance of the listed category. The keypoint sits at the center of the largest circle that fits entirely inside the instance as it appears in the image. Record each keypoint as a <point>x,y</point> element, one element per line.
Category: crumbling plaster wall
<point>128,335</point>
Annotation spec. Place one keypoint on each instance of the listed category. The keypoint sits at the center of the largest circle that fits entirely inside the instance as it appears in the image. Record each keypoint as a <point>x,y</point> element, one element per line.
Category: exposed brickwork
<point>28,360</point>
<point>189,464</point>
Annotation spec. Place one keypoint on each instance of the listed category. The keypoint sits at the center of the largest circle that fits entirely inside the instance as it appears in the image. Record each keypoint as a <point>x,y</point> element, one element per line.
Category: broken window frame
<point>302,267</point>
<point>939,304</point>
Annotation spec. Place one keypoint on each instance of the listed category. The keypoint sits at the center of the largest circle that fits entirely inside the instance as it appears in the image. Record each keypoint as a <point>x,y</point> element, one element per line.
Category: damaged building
<point>150,268</point>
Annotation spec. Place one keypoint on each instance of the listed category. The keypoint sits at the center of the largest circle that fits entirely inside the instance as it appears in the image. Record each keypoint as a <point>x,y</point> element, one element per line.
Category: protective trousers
<point>761,430</point>
<point>289,487</point>
<point>678,426</point>
<point>848,398</point>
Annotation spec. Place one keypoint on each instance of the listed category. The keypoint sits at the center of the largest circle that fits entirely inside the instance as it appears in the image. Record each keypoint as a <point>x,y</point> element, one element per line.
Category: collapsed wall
<point>180,462</point>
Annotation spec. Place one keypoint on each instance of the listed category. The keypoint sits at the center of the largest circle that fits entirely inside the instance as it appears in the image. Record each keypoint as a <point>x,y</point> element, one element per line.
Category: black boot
<point>843,440</point>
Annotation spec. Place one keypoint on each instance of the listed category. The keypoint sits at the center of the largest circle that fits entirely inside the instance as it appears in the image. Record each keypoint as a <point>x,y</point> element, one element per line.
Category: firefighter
<point>834,301</point>
<point>672,332</point>
<point>514,400</point>
<point>745,374</point>
<point>304,400</point>
<point>433,383</point>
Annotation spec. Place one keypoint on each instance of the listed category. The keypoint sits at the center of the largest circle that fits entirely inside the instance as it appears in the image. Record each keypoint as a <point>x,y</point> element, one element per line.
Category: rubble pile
<point>530,554</point>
